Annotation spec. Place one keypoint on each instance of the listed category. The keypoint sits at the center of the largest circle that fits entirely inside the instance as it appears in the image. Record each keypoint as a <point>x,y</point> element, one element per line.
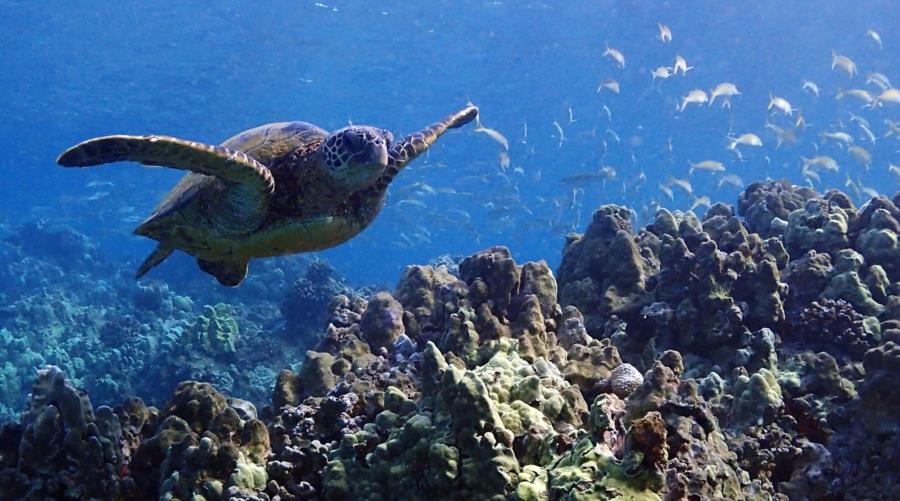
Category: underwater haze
<point>672,227</point>
<point>206,72</point>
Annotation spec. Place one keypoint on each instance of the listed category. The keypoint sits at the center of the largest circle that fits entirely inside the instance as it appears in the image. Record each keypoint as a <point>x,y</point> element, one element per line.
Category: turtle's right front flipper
<point>231,166</point>
<point>407,149</point>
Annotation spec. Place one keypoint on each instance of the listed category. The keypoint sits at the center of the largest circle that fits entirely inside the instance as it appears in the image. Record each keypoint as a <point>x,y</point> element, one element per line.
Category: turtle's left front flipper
<point>249,182</point>
<point>413,145</point>
<point>231,166</point>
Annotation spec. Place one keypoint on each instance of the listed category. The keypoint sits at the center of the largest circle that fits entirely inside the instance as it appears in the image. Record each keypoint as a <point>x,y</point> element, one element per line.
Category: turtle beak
<point>366,147</point>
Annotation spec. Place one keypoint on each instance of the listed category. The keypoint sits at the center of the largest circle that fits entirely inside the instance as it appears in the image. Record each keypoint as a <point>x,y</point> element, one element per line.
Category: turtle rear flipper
<point>250,182</point>
<point>157,256</point>
<point>230,273</point>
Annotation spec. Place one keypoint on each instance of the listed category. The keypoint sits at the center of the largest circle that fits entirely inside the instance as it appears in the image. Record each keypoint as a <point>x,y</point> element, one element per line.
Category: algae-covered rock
<point>591,471</point>
<point>757,398</point>
<point>61,432</point>
<point>316,378</point>
<point>473,382</point>
<point>430,295</point>
<point>819,225</point>
<point>382,322</point>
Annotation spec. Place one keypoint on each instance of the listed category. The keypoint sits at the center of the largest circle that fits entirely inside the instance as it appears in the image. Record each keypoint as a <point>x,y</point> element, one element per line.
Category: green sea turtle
<point>277,189</point>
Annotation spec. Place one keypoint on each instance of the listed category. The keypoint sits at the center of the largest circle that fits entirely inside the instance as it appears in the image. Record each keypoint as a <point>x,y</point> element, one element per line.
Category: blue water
<point>74,70</point>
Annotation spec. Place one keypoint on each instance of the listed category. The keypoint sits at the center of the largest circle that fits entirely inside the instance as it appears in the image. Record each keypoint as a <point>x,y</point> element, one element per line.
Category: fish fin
<point>230,273</point>
<point>157,256</point>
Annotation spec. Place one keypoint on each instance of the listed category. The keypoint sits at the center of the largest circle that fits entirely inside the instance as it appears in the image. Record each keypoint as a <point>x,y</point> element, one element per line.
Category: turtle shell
<point>271,142</point>
<point>267,143</point>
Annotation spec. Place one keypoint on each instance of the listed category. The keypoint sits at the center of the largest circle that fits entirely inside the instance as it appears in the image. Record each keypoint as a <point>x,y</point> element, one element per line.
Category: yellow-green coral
<point>215,330</point>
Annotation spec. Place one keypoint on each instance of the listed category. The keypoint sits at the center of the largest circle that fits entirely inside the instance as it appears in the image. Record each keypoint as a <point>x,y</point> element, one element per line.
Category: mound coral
<point>747,355</point>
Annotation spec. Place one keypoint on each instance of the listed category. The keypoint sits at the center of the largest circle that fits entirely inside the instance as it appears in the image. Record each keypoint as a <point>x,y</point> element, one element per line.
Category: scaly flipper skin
<point>413,145</point>
<point>249,182</point>
<point>231,166</point>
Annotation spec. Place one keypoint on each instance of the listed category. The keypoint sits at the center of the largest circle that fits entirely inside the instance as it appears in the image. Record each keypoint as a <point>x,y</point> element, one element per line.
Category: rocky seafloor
<point>753,353</point>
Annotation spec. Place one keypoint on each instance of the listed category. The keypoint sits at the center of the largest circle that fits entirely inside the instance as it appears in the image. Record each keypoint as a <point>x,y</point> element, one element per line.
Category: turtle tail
<point>407,149</point>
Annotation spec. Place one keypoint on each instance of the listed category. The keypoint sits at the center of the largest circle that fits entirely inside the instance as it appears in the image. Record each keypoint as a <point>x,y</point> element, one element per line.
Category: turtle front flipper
<point>404,151</point>
<point>250,182</point>
<point>231,166</point>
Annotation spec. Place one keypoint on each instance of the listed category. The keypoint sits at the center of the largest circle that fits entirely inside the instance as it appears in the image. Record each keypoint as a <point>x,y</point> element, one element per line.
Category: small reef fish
<point>878,79</point>
<point>613,135</point>
<point>99,184</point>
<point>843,63</point>
<point>893,128</point>
<point>859,119</point>
<point>680,65</point>
<point>684,184</point>
<point>887,96</point>
<point>841,137</point>
<point>726,90</point>
<point>703,201</point>
<point>662,72</point>
<point>862,155</point>
<point>748,139</point>
<point>895,169</point>
<point>696,96</point>
<point>615,55</point>
<point>609,84</point>
<point>492,133</point>
<point>779,103</point>
<point>413,202</point>
<point>731,180</point>
<point>870,192</point>
<point>667,190</point>
<point>504,160</point>
<point>572,118</point>
<point>825,162</point>
<point>861,94</point>
<point>852,186</point>
<point>665,34</point>
<point>559,130</point>
<point>868,132</point>
<point>417,187</point>
<point>707,165</point>
<point>875,37</point>
<point>97,196</point>
<point>608,113</point>
<point>606,172</point>
<point>810,174</point>
<point>811,86</point>
<point>783,136</point>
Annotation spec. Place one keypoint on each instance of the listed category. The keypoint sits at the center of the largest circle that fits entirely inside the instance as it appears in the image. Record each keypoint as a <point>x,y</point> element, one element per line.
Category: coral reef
<point>741,355</point>
<point>62,304</point>
<point>305,303</point>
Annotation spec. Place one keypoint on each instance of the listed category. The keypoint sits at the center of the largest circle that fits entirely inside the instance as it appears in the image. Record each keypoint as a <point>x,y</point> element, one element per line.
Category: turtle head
<point>356,156</point>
